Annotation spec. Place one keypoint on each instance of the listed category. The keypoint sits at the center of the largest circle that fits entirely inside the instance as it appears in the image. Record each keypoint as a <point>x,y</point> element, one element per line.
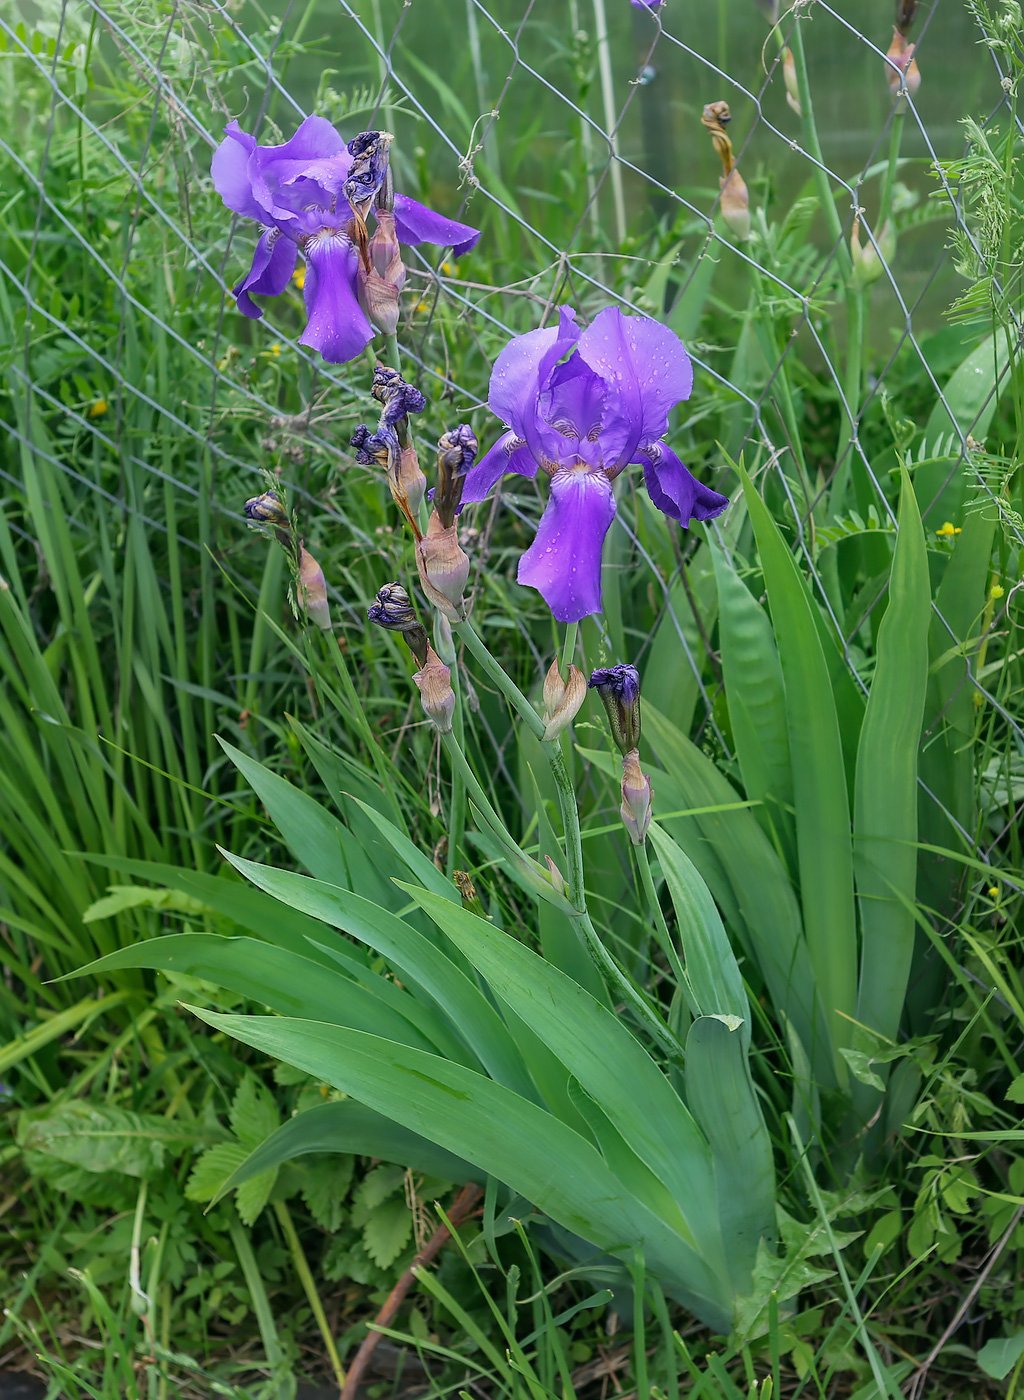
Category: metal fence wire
<point>570,130</point>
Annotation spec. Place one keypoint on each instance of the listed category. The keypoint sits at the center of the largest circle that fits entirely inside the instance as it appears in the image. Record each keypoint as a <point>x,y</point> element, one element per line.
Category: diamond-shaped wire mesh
<point>570,130</point>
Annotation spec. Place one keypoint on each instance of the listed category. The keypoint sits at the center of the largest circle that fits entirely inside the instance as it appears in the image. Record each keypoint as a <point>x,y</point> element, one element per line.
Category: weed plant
<point>830,695</point>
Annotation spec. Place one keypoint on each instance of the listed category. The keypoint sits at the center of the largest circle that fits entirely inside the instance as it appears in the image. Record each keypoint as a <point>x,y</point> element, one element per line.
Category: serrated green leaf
<point>254,1114</point>
<point>213,1168</point>
<point>324,1187</point>
<point>252,1196</point>
<point>121,897</point>
<point>387,1231</point>
<point>376,1186</point>
<point>1015,1093</point>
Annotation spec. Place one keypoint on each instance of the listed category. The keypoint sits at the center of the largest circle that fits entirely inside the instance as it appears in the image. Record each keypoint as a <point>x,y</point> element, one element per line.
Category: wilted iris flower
<point>584,419</point>
<point>314,193</point>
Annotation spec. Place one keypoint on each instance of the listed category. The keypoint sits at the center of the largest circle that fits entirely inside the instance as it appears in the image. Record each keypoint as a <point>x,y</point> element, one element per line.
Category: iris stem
<point>501,679</point>
<point>604,63</point>
<point>460,765</point>
<point>569,648</point>
<point>457,812</point>
<point>622,987</point>
<point>392,354</point>
<point>661,931</point>
<point>570,824</point>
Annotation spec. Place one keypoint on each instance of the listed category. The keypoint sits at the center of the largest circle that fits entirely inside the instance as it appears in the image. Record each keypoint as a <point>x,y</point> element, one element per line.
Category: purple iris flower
<point>583,419</point>
<point>647,4</point>
<point>295,191</point>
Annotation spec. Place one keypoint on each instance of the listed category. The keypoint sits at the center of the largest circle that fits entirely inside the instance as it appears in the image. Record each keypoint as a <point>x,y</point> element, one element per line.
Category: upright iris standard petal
<point>677,492</point>
<point>520,376</point>
<point>231,174</point>
<point>417,224</point>
<point>564,561</point>
<point>337,325</point>
<point>647,372</point>
<point>272,267</point>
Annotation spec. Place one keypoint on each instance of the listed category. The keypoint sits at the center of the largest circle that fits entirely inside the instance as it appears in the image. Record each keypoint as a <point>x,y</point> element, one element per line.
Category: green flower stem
<point>356,714</point>
<point>661,931</point>
<point>813,145</point>
<point>284,1219</point>
<point>569,648</point>
<point>460,765</point>
<point>854,295</point>
<point>618,983</point>
<point>895,140</point>
<point>504,682</point>
<point>570,824</point>
<point>623,988</point>
<point>457,811</point>
<point>392,355</point>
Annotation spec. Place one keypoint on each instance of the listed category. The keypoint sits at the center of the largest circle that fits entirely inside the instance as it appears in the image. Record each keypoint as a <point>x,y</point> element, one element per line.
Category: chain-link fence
<point>571,132</point>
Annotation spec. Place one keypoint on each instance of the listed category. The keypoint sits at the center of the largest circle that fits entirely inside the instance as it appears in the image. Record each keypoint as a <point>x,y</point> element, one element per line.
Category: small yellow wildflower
<point>275,349</point>
<point>993,891</point>
<point>299,277</point>
<point>450,269</point>
<point>996,591</point>
<point>98,409</point>
<point>419,306</point>
<point>948,530</point>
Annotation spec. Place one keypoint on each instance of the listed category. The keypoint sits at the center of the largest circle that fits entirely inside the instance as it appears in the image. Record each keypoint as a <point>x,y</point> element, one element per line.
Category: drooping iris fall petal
<point>564,561</point>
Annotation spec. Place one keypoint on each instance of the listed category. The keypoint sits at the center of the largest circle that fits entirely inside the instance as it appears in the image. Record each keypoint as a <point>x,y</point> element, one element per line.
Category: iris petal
<point>272,266</point>
<point>520,376</point>
<point>416,224</point>
<point>564,561</point>
<point>230,171</point>
<point>502,458</point>
<point>647,372</point>
<point>336,325</point>
<point>675,490</point>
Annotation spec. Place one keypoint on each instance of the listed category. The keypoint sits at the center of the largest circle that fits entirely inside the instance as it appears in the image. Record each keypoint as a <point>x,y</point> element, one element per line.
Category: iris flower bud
<point>906,72</point>
<point>735,200</point>
<point>312,590</point>
<point>393,610</point>
<point>735,204</point>
<point>562,699</point>
<point>636,798</point>
<point>789,78</point>
<point>443,567</point>
<point>868,261</point>
<point>266,510</point>
<point>381,283</point>
<point>455,454</point>
<point>434,682</point>
<point>619,689</point>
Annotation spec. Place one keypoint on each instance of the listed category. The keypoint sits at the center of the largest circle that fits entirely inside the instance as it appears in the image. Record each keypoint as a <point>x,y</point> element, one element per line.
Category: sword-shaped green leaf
<point>886,796</point>
<point>824,838</point>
